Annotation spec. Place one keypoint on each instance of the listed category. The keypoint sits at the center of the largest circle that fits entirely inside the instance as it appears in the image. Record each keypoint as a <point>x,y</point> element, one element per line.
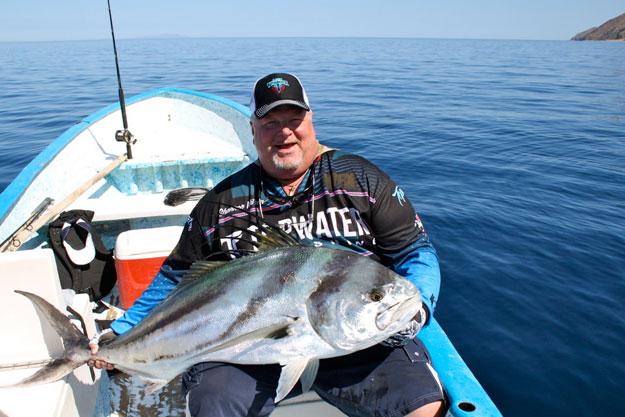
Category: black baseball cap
<point>275,90</point>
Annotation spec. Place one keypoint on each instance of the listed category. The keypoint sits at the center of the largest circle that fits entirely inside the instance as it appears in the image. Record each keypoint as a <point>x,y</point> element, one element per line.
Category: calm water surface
<point>513,152</point>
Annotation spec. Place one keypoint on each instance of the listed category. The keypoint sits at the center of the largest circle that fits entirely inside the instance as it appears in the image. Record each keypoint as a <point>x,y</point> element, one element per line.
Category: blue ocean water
<point>513,152</point>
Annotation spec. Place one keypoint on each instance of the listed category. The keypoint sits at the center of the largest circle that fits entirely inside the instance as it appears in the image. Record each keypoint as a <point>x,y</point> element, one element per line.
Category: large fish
<point>289,305</point>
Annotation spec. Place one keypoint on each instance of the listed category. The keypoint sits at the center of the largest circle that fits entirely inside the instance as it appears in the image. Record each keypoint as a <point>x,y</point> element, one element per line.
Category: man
<point>326,197</point>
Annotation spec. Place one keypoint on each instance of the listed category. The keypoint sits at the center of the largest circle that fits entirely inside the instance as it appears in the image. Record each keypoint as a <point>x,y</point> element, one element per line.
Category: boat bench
<point>132,207</point>
<point>28,337</point>
<point>138,188</point>
<point>156,175</point>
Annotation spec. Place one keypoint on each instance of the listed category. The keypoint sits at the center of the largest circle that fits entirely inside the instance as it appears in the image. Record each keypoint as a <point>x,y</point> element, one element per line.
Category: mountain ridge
<point>613,29</point>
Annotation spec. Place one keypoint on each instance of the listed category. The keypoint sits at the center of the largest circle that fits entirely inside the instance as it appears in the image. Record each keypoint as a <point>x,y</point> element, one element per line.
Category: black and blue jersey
<point>343,200</point>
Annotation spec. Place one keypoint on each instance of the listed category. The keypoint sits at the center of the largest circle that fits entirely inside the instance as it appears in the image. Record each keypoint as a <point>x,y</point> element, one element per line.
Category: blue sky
<point>36,20</point>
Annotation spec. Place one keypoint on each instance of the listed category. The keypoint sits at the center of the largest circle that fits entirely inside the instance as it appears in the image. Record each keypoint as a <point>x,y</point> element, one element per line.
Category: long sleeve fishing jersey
<point>343,200</point>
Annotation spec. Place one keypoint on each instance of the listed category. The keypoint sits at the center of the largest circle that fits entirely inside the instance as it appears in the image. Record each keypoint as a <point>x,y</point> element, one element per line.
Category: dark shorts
<point>378,381</point>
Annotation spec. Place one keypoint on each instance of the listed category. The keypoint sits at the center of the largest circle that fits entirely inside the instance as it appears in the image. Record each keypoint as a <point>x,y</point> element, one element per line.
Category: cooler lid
<point>147,243</point>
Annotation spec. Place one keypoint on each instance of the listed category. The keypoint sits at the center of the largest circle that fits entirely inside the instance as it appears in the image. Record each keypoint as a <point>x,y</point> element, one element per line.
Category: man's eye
<point>271,125</point>
<point>294,123</point>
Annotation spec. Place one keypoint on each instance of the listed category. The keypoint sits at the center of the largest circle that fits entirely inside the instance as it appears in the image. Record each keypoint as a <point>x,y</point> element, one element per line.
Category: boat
<point>181,139</point>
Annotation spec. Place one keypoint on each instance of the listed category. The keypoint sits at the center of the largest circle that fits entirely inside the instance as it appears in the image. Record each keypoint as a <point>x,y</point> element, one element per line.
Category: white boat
<point>184,139</point>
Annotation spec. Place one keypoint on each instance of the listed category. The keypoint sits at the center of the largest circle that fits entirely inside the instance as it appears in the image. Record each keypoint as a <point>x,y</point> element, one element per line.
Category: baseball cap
<point>275,90</point>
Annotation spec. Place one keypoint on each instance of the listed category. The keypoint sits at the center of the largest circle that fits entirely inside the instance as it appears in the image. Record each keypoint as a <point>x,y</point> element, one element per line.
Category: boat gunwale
<point>16,188</point>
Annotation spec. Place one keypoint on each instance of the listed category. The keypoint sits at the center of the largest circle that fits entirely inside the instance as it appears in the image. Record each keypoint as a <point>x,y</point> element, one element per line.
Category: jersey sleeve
<point>163,283</point>
<point>402,241</point>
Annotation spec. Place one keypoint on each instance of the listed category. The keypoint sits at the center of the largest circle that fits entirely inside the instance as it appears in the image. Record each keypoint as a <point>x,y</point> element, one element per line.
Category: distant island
<point>612,30</point>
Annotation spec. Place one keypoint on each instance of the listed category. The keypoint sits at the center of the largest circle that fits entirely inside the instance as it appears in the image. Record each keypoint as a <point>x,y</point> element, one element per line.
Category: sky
<point>45,20</point>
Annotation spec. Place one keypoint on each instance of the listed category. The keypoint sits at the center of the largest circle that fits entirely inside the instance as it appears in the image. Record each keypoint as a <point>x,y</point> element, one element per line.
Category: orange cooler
<point>138,257</point>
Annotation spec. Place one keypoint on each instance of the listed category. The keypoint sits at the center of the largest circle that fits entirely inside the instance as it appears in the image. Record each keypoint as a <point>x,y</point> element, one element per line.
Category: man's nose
<point>285,129</point>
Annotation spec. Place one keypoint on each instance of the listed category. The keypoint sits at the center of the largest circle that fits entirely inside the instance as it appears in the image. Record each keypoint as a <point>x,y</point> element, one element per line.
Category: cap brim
<point>78,256</point>
<point>262,112</point>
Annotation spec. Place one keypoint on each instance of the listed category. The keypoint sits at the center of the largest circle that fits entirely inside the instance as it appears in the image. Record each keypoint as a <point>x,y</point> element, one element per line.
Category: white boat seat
<point>28,338</point>
<point>148,175</point>
<point>131,207</point>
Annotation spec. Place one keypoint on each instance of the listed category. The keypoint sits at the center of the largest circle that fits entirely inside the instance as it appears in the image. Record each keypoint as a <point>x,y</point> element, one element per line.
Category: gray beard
<point>278,163</point>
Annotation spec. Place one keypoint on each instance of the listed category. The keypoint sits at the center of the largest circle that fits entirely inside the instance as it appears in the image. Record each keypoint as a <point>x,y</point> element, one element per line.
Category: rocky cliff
<point>613,29</point>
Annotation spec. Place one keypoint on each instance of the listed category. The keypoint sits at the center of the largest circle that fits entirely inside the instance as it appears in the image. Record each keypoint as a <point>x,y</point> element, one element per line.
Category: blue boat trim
<point>11,195</point>
<point>466,396</point>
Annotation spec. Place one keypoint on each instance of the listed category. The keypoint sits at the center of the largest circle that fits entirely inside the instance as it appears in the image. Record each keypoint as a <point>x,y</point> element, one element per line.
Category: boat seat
<point>138,187</point>
<point>148,175</point>
<point>28,337</point>
<point>132,207</point>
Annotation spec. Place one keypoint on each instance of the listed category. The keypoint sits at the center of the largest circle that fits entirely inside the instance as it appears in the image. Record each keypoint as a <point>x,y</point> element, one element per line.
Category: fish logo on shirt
<point>278,85</point>
<point>399,195</point>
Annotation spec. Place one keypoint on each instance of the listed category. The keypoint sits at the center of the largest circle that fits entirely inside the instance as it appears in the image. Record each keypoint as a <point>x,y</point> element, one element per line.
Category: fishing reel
<point>125,136</point>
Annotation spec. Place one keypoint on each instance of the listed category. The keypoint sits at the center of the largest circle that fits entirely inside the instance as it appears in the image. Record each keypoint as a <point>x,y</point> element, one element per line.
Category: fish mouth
<point>401,312</point>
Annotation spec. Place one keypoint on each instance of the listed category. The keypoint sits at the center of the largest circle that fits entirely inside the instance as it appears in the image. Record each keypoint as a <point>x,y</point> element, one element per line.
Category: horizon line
<point>175,36</point>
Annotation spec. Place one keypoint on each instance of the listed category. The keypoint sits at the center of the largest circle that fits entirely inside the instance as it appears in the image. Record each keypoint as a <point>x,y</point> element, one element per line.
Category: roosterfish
<point>286,304</point>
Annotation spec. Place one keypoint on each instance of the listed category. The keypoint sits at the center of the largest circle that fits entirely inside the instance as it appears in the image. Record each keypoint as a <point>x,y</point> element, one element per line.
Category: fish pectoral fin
<point>309,374</point>
<point>289,376</point>
<point>275,331</point>
<point>154,385</point>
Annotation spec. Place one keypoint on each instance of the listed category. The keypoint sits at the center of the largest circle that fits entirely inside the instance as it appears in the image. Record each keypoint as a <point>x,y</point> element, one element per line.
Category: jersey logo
<point>399,195</point>
<point>278,85</point>
<point>418,224</point>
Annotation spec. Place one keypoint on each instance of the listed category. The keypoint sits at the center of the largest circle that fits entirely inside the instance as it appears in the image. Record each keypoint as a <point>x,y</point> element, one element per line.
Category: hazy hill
<point>613,29</point>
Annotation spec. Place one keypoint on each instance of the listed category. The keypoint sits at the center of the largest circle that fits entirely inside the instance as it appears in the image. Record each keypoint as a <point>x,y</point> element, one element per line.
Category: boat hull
<point>184,139</point>
<point>178,132</point>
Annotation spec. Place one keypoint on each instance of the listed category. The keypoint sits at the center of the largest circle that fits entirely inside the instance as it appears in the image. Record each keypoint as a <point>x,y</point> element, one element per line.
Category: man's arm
<point>157,291</point>
<point>418,262</point>
<point>163,283</point>
<point>402,242</point>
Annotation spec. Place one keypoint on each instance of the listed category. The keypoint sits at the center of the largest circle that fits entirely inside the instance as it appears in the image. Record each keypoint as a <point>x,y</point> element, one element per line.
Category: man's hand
<point>103,337</point>
<point>402,337</point>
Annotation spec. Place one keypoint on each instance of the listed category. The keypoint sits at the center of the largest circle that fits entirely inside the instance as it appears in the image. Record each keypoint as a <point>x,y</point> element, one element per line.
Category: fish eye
<point>376,295</point>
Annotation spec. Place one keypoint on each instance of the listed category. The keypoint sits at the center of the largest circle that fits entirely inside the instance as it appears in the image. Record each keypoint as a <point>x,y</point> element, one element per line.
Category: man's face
<point>285,141</point>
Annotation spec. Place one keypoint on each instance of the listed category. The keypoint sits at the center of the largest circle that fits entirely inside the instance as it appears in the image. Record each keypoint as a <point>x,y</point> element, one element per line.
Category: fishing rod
<point>15,240</point>
<point>121,135</point>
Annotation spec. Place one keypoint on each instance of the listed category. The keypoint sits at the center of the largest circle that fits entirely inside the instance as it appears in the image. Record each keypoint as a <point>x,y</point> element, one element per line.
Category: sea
<point>512,152</point>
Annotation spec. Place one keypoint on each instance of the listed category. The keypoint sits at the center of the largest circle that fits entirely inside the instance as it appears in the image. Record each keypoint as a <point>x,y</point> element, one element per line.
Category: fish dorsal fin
<point>257,232</point>
<point>289,376</point>
<point>266,237</point>
<point>202,267</point>
<point>199,269</point>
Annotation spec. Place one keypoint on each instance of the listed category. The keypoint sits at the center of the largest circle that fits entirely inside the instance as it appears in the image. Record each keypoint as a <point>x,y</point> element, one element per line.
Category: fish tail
<point>74,342</point>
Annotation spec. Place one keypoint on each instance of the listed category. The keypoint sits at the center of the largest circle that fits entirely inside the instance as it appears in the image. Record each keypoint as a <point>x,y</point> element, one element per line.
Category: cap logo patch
<point>278,85</point>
